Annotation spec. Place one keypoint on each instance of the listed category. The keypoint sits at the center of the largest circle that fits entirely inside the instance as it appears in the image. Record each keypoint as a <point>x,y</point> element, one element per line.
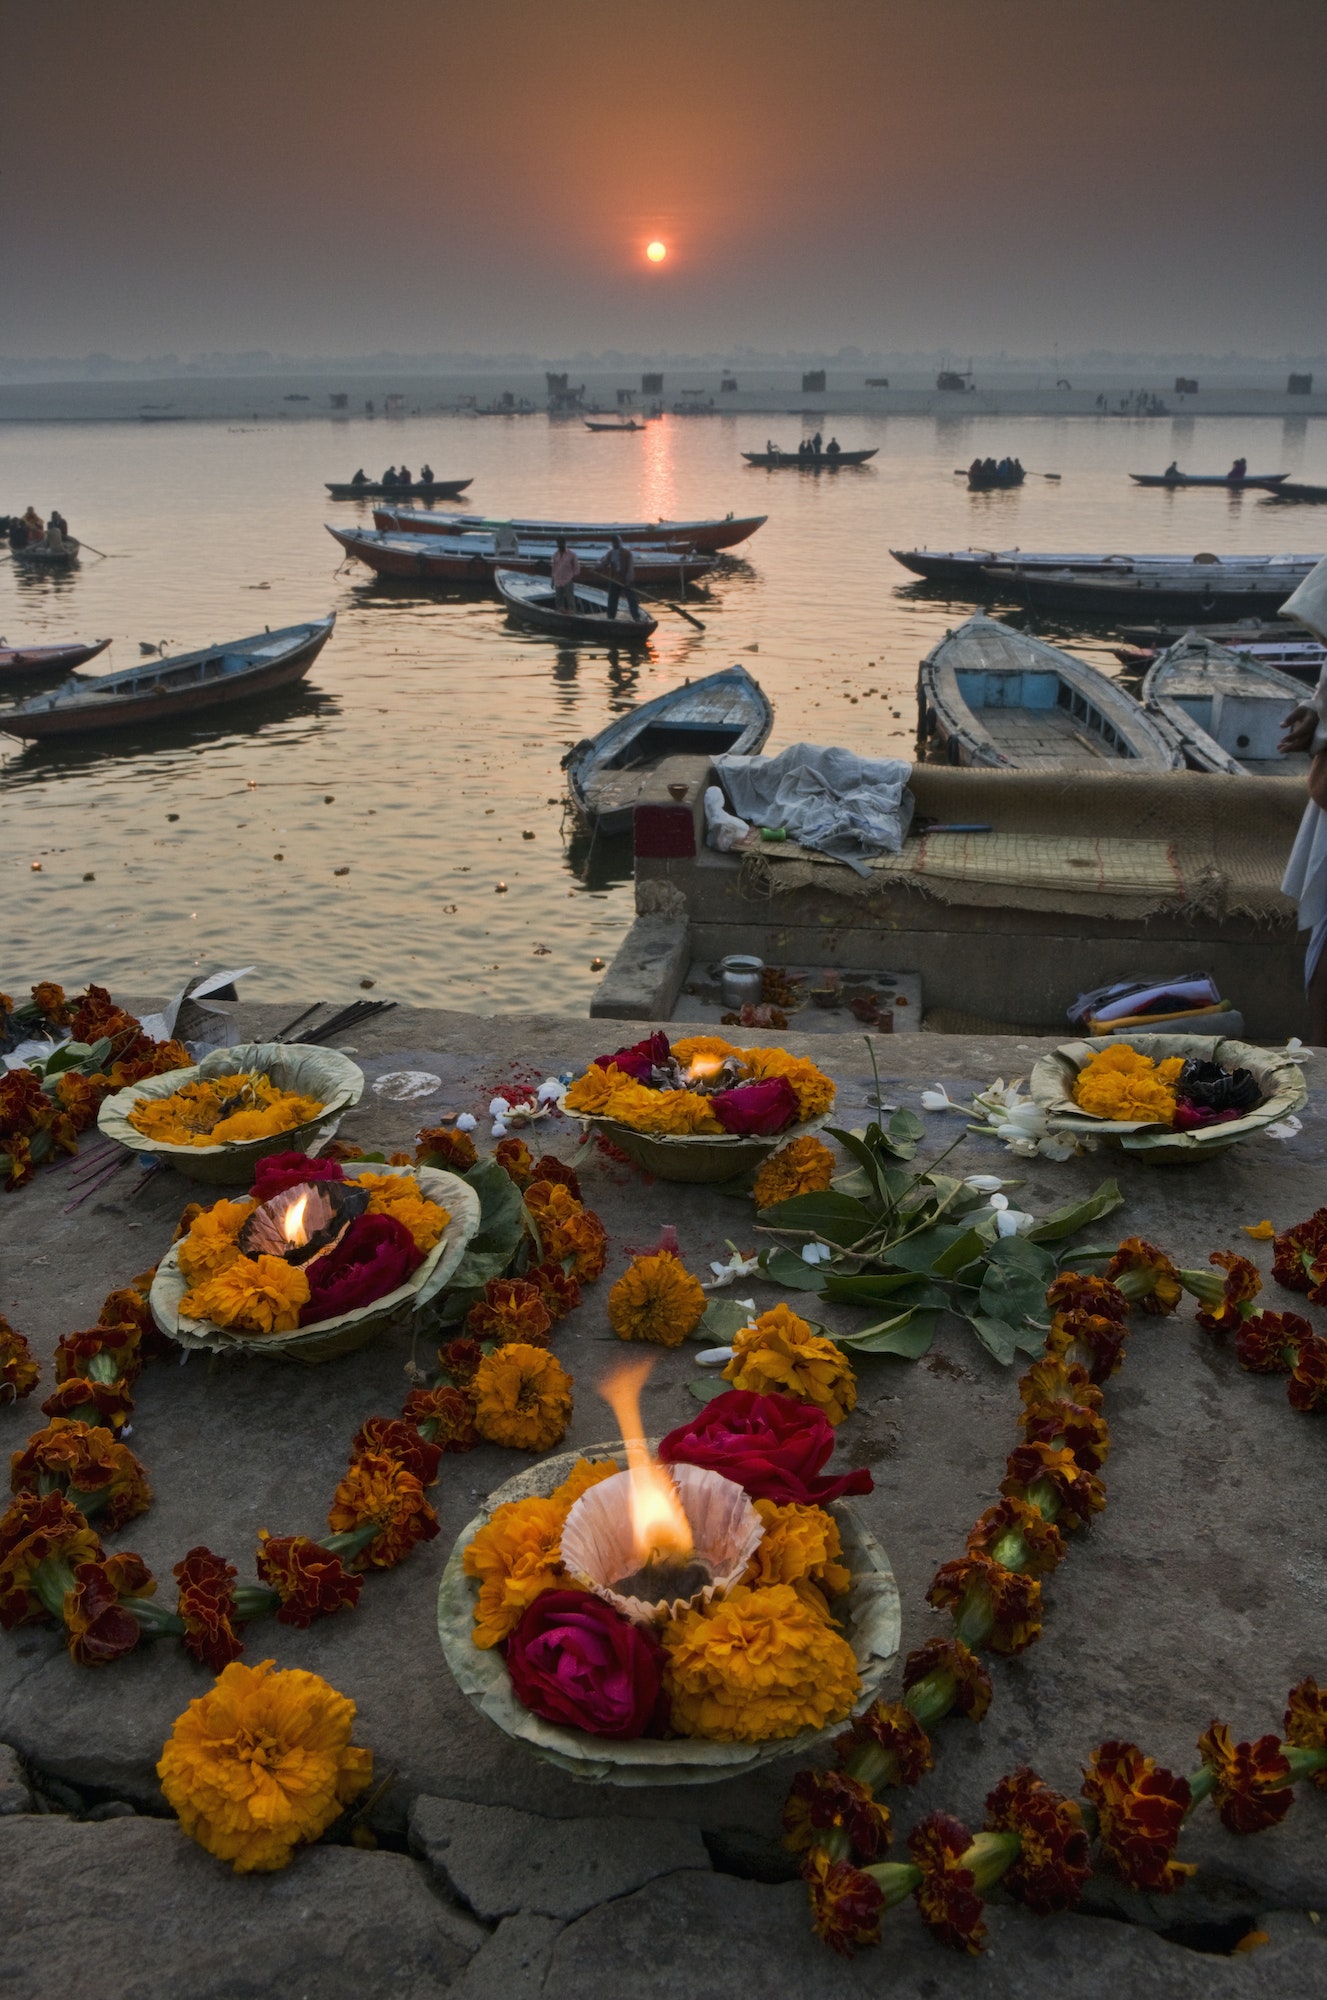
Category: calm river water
<point>422,754</point>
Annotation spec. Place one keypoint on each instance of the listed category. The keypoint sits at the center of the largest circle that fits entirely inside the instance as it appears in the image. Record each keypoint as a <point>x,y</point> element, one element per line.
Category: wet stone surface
<point>1200,1593</point>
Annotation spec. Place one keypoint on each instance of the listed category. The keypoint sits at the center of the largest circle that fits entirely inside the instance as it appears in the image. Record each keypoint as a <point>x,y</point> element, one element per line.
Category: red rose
<point>774,1446</point>
<point>376,1254</point>
<point>279,1171</point>
<point>576,1661</point>
<point>640,1058</point>
<point>756,1110</point>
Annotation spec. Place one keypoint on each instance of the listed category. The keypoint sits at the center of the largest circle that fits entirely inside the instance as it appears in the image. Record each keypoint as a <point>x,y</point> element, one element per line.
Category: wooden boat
<point>1210,586</point>
<point>213,677</point>
<point>1265,480</point>
<point>820,461</point>
<point>48,659</point>
<point>531,600</point>
<point>419,489</point>
<point>971,566</point>
<point>997,481</point>
<point>472,559</point>
<point>724,712</point>
<point>1289,650</point>
<point>625,429</point>
<point>1227,710</point>
<point>991,696</point>
<point>37,555</point>
<point>706,535</point>
<point>1299,489</point>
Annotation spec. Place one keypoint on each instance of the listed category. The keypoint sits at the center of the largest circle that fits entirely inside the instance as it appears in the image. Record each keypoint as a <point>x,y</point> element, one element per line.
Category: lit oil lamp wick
<point>660,1531</point>
<point>292,1223</point>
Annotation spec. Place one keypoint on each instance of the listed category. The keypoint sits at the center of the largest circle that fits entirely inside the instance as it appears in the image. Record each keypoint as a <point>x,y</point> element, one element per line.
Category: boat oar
<point>648,597</point>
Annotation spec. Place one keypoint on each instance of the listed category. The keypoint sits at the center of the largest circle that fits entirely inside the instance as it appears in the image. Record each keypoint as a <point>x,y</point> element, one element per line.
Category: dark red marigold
<point>454,1152</point>
<point>106,1403</point>
<point>1008,1602</point>
<point>1092,1338</point>
<point>823,1802</point>
<point>1298,1247</point>
<point>1242,1283</point>
<point>310,1581</point>
<point>1140,1813</point>
<point>947,1896</point>
<point>956,1662</point>
<point>1266,1341</point>
<point>1042,1541</point>
<point>548,1167</point>
<point>207,1606</point>
<point>1306,1721</point>
<point>1053,1862</point>
<point>1072,1291</point>
<point>1307,1387</point>
<point>559,1291</point>
<point>459,1359</point>
<point>890,1727</point>
<point>445,1414</point>
<point>1152,1282</point>
<point>846,1903</point>
<point>1250,1792</point>
<point>398,1439</point>
<point>1079,1492</point>
<point>98,1628</point>
<point>1085,1432</point>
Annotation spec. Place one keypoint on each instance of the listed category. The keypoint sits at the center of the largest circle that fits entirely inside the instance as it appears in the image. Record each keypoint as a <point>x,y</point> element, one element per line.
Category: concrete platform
<point>1200,1593</point>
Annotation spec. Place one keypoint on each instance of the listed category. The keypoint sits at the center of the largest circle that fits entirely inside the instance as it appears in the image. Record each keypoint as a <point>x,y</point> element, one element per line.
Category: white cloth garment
<point>847,806</point>
<point>1306,871</point>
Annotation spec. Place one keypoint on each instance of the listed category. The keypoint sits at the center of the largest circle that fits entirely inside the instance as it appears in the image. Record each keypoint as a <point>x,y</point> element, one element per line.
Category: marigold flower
<point>454,1152</point>
<point>548,1167</point>
<point>1296,1248</point>
<point>893,1728</point>
<point>846,1903</point>
<point>591,1094</point>
<point>511,1309</point>
<point>75,1352</point>
<point>947,1895</point>
<point>1242,1283</point>
<point>459,1359</point>
<point>515,1555</point>
<point>1075,1291</point>
<point>253,1295</point>
<point>950,1660</point>
<point>1053,1861</point>
<point>1043,1548</point>
<point>801,1545</point>
<point>1266,1341</point>
<point>1083,1432</point>
<point>128,1305</point>
<point>557,1288</point>
<point>1055,1380</point>
<point>98,1474</point>
<point>206,1603</point>
<point>821,1802</point>
<point>109,1403</point>
<point>584,1240</point>
<point>1152,1281</point>
<point>758,1665</point>
<point>36,1530</point>
<point>401,1196</point>
<point>17,1162</point>
<point>976,1587</point>
<point>1089,1340</point>
<point>223,1110</point>
<point>1140,1812</point>
<point>692,1046</point>
<point>1307,1387</point>
<point>79,1097</point>
<point>395,1437</point>
<point>813,1089</point>
<point>1079,1491</point>
<point>19,1373</point>
<point>97,1628</point>
<point>262,1764</point>
<point>1306,1721</point>
<point>310,1581</point>
<point>449,1414</point>
<point>516,1160</point>
<point>1250,1792</point>
<point>1119,1084</point>
<point>378,1489</point>
<point>803,1166</point>
<point>780,1355</point>
<point>50,1002</point>
<point>656,1299</point>
<point>522,1397</point>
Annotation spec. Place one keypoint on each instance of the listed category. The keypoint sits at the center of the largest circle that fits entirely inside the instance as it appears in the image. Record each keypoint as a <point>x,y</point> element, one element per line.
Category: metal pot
<point>740,980</point>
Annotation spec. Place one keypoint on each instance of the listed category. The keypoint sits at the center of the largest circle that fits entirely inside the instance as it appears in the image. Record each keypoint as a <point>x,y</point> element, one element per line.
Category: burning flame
<point>703,1066</point>
<point>292,1223</point>
<point>659,1526</point>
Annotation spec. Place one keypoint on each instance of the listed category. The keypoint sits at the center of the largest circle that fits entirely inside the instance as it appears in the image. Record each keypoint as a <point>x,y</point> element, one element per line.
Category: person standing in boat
<point>34,524</point>
<point>426,475</point>
<point>566,568</point>
<point>1305,878</point>
<point>815,445</point>
<point>620,566</point>
<point>1237,471</point>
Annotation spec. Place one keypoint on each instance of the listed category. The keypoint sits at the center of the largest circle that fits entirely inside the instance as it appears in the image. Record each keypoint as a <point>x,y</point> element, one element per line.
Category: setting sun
<point>656,252</point>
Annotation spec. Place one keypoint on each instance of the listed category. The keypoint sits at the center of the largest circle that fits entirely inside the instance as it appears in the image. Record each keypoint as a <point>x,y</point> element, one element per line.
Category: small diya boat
<point>49,659</point>
<point>1225,1090</point>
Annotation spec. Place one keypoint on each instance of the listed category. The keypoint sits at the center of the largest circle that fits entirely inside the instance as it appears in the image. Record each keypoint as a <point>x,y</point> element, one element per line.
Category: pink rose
<point>641,1058</point>
<point>279,1171</point>
<point>756,1110</point>
<point>575,1660</point>
<point>774,1446</point>
<point>376,1254</point>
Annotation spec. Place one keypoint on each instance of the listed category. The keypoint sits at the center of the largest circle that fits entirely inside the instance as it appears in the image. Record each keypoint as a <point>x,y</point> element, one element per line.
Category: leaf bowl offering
<point>324,1075</point>
<point>1280,1085</point>
<point>870,1620</point>
<point>696,1156</point>
<point>323,1340</point>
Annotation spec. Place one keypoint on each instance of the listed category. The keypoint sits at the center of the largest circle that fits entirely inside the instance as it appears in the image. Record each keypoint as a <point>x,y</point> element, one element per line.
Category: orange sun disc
<point>656,252</point>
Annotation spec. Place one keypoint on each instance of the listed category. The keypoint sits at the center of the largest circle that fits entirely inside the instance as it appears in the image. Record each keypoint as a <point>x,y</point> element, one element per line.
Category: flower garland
<point>701,1085</point>
<point>1035,1839</point>
<point>43,1114</point>
<point>223,1111</point>
<point>1120,1084</point>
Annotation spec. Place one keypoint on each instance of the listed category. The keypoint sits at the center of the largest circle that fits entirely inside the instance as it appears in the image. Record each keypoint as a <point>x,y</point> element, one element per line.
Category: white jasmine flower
<point>1284,1128</point>
<point>550,1090</point>
<point>714,1357</point>
<point>1013,1221</point>
<point>465,1123</point>
<point>1063,1145</point>
<point>937,1098</point>
<point>727,1274</point>
<point>499,1129</point>
<point>499,1108</point>
<point>984,1183</point>
<point>816,1253</point>
<point>998,1202</point>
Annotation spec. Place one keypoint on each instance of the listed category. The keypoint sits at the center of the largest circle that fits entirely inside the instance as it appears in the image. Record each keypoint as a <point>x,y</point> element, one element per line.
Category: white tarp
<point>1306,872</point>
<point>846,806</point>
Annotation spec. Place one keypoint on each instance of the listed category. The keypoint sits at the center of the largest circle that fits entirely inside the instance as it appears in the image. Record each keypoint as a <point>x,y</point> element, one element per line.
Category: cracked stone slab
<point>708,1936</point>
<point>513,1964</point>
<point>15,1797</point>
<point>145,1913</point>
<point>499,1861</point>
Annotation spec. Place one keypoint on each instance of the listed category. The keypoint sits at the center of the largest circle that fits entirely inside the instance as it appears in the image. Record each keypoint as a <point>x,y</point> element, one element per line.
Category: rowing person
<point>426,475</point>
<point>361,478</point>
<point>832,448</point>
<point>620,567</point>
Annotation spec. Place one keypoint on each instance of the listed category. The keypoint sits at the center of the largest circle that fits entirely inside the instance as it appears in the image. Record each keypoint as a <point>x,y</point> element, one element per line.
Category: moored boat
<point>472,559</point>
<point>1232,482</point>
<point>810,461</point>
<point>626,429</point>
<point>971,566</point>
<point>987,695</point>
<point>995,478</point>
<point>1208,586</point>
<point>212,677</point>
<point>418,489</point>
<point>1227,709</point>
<point>1299,489</point>
<point>727,711</point>
<point>531,600</point>
<point>1289,650</point>
<point>48,659</point>
<point>710,535</point>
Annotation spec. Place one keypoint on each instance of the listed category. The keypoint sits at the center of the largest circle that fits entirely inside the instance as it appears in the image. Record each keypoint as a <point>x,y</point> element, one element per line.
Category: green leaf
<point>905,1129</point>
<point>787,1270</point>
<point>908,1334</point>
<point>871,1286</point>
<point>501,1227</point>
<point>1018,1253</point>
<point>836,1218</point>
<point>1009,1294</point>
<point>1064,1221</point>
<point>722,1319</point>
<point>858,1146</point>
<point>1031,1339</point>
<point>706,1387</point>
<point>920,1252</point>
<point>967,1245</point>
<point>856,1183</point>
<point>999,1338</point>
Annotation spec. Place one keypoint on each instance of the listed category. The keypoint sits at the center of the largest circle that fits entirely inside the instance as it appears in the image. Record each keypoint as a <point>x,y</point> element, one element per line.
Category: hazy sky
<point>422,175</point>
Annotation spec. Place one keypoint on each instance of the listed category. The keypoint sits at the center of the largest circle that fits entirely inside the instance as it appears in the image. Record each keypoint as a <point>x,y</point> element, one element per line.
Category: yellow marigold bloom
<point>584,1474</point>
<point>1120,1084</point>
<point>656,1299</point>
<point>378,1488</point>
<point>692,1046</point>
<point>803,1166</point>
<point>800,1545</point>
<point>667,1112</point>
<point>567,1229</point>
<point>213,1241</point>
<point>522,1397</point>
<point>400,1195</point>
<point>780,1355</point>
<point>283,1116</point>
<point>815,1091</point>
<point>254,1295</point>
<point>515,1556</point>
<point>193,1114</point>
<point>590,1093</point>
<point>262,1765</point>
<point>758,1666</point>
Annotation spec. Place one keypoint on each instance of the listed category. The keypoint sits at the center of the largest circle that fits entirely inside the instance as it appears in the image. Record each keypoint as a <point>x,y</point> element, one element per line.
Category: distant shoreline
<point>245,400</point>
